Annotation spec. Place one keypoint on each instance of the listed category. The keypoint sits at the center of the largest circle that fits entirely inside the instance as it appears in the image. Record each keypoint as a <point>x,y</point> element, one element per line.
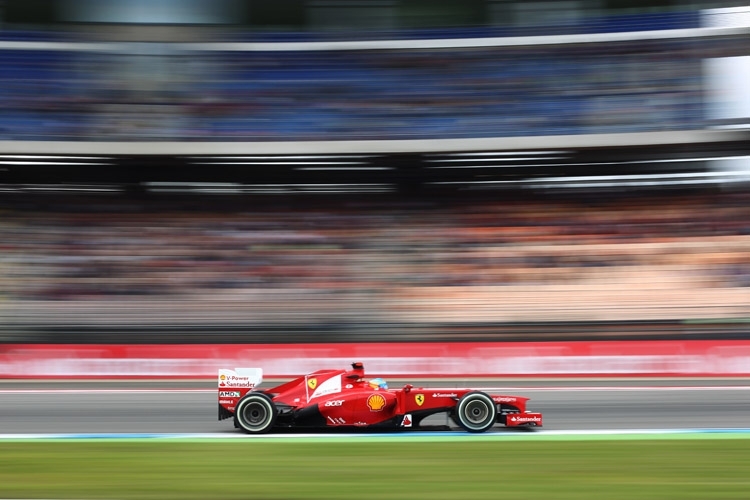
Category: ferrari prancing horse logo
<point>419,398</point>
<point>312,383</point>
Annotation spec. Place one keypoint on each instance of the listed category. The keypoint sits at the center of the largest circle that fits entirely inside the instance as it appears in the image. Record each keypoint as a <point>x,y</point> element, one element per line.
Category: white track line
<point>404,434</point>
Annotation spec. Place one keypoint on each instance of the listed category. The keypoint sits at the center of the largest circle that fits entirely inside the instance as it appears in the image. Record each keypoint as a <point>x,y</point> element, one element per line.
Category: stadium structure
<point>585,109</point>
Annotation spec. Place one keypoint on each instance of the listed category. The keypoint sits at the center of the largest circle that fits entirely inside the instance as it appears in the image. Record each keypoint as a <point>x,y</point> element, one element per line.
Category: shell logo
<point>312,383</point>
<point>375,402</point>
<point>223,377</point>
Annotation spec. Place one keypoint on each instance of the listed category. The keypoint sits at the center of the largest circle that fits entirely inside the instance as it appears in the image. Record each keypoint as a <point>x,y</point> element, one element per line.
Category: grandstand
<point>487,182</point>
<point>365,90</point>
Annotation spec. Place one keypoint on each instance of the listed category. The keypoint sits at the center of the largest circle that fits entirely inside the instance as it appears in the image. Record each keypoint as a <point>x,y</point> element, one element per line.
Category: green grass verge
<point>370,469</point>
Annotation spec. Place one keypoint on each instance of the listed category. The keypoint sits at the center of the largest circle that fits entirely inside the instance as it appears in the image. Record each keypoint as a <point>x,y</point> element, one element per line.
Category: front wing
<point>528,419</point>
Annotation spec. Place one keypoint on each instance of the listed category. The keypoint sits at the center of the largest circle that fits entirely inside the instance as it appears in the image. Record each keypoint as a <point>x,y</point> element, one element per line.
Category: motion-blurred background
<point>351,170</point>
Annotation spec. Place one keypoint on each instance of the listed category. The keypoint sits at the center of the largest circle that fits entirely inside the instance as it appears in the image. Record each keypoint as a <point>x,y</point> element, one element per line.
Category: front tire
<point>476,412</point>
<point>255,413</point>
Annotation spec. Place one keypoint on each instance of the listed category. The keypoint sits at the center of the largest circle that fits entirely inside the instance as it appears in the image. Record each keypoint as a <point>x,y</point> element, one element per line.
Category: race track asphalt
<point>191,407</point>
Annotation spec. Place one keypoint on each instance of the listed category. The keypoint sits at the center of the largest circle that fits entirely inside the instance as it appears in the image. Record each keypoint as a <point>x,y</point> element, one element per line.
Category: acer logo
<point>335,402</point>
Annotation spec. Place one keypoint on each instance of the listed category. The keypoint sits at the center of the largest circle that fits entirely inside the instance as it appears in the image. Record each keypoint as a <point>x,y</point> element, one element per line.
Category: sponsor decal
<point>525,419</point>
<point>407,421</point>
<point>444,395</point>
<point>348,386</point>
<point>360,424</point>
<point>312,383</point>
<point>337,421</point>
<point>237,381</point>
<point>242,378</point>
<point>419,399</point>
<point>335,402</point>
<point>226,401</point>
<point>229,394</point>
<point>330,386</point>
<point>504,399</point>
<point>376,402</point>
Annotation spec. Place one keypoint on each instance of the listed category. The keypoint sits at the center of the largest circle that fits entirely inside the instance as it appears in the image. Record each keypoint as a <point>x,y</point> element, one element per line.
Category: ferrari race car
<point>347,399</point>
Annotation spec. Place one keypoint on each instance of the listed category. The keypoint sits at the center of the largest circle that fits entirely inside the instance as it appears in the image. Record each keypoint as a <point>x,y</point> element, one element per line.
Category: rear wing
<point>240,378</point>
<point>233,385</point>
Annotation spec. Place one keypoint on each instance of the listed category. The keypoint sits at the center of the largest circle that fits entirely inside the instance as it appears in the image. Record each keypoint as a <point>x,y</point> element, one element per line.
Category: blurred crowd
<point>150,262</point>
<point>630,258</point>
<point>156,93</point>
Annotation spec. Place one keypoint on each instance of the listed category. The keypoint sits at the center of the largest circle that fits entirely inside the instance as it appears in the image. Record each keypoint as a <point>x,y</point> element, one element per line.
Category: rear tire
<point>255,413</point>
<point>476,412</point>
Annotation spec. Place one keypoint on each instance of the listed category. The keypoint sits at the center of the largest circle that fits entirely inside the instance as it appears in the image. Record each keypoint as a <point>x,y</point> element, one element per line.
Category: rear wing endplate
<point>240,378</point>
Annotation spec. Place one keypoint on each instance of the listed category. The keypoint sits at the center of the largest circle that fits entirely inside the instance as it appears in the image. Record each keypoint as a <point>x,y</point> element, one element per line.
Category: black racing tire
<point>255,413</point>
<point>476,412</point>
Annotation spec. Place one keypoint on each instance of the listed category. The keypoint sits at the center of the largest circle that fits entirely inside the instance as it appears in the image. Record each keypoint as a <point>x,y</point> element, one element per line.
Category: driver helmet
<point>378,383</point>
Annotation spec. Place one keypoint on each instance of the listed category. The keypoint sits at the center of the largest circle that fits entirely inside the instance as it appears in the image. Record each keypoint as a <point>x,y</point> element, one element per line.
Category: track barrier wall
<point>726,358</point>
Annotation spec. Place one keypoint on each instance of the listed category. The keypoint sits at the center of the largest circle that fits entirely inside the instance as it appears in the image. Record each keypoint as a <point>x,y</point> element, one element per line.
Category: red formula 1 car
<point>346,399</point>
